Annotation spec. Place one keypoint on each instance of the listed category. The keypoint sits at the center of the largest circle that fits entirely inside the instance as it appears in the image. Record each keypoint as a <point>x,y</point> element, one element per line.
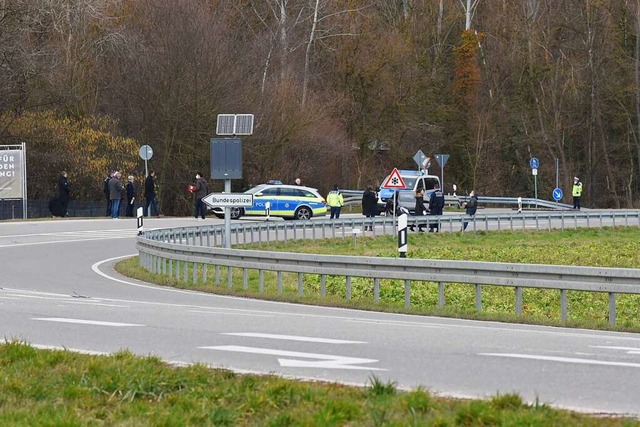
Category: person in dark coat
<point>105,190</point>
<point>436,206</point>
<point>150,195</point>
<point>369,205</point>
<point>131,196</point>
<point>471,206</point>
<point>419,208</point>
<point>115,193</point>
<point>64,193</point>
<point>200,191</point>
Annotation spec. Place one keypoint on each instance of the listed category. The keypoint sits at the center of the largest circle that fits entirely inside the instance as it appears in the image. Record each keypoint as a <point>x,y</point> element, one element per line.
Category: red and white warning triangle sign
<point>394,180</point>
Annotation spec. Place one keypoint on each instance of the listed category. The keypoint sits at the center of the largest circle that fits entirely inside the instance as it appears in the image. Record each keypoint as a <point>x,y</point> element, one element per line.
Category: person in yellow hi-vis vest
<point>576,192</point>
<point>335,202</point>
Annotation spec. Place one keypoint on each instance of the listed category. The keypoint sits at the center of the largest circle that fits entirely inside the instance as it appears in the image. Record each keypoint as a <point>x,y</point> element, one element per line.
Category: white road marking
<point>327,361</point>
<point>292,338</point>
<point>231,313</point>
<point>89,302</point>
<point>629,350</point>
<point>83,322</point>
<point>562,359</point>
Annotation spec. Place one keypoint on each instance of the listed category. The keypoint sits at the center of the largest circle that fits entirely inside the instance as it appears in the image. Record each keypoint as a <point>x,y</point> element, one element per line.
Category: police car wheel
<point>235,213</point>
<point>303,213</point>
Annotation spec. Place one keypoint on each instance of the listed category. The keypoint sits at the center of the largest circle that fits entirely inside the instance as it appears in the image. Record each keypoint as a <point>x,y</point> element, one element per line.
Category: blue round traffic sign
<point>534,163</point>
<point>557,194</point>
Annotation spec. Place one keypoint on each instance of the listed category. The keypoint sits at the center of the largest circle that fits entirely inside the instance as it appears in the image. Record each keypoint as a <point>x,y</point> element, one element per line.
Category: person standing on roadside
<point>64,193</point>
<point>419,208</point>
<point>436,206</point>
<point>576,192</point>
<point>115,193</point>
<point>335,202</point>
<point>470,206</point>
<point>105,190</point>
<point>201,190</point>
<point>150,195</point>
<point>369,205</point>
<point>131,196</point>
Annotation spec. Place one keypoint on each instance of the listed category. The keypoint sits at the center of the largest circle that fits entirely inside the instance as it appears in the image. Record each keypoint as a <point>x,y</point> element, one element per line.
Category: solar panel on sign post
<point>226,124</point>
<point>244,124</point>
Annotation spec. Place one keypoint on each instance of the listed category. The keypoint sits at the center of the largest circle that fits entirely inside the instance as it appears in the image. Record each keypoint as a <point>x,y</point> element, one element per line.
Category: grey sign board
<point>11,174</point>
<point>226,158</point>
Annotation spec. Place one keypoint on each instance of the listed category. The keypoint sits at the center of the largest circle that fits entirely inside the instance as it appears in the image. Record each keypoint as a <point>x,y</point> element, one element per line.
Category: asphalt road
<point>58,289</point>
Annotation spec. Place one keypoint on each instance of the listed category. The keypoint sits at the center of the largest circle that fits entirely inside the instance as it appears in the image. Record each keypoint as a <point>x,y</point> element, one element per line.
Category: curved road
<point>58,289</point>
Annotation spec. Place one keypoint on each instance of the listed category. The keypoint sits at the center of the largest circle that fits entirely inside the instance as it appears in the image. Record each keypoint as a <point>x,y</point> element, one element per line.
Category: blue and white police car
<point>286,201</point>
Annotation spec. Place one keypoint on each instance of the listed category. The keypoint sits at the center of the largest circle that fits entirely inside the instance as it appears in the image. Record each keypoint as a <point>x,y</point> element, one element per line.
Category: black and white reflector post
<point>140,216</point>
<point>402,235</point>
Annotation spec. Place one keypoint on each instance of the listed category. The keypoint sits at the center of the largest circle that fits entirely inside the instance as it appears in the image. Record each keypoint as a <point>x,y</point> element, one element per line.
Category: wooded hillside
<point>342,91</point>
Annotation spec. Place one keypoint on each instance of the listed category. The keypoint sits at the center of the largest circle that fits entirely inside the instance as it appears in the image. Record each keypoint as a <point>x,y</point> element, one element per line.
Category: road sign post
<point>534,163</point>
<point>395,182</point>
<point>557,194</point>
<point>146,152</point>
<point>442,160</point>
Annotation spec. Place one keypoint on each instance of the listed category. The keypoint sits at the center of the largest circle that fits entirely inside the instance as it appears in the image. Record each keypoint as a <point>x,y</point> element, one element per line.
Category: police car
<point>286,201</point>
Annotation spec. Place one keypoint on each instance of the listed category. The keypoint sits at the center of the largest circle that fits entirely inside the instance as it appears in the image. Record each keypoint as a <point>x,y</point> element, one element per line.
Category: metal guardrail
<point>172,252</point>
<point>354,197</point>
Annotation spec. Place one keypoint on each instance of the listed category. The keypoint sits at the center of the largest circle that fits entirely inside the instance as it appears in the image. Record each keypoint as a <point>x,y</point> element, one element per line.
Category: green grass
<point>60,388</point>
<point>608,247</point>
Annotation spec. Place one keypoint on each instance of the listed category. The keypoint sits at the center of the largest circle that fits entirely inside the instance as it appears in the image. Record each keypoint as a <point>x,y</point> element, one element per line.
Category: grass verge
<point>60,388</point>
<point>608,247</point>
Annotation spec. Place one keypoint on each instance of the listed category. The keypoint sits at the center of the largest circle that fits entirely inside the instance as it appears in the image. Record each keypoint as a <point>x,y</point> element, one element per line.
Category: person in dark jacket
<point>115,193</point>
<point>201,190</point>
<point>471,206</point>
<point>150,195</point>
<point>369,205</point>
<point>64,193</point>
<point>419,209</point>
<point>105,190</point>
<point>436,206</point>
<point>131,196</point>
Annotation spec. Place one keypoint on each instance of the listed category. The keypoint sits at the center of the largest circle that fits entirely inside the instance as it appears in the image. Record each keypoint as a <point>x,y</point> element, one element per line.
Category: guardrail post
<point>441,294</point>
<point>195,273</point>
<point>323,285</point>
<point>407,293</point>
<point>177,270</point>
<point>348,288</point>
<point>300,290</point>
<point>217,276</point>
<point>245,278</point>
<point>204,272</point>
<point>260,281</point>
<point>186,271</point>
<point>478,297</point>
<point>164,266</point>
<point>612,308</point>
<point>229,277</point>
<point>170,268</point>
<point>376,289</point>
<point>563,304</point>
<point>279,282</point>
<point>519,301</point>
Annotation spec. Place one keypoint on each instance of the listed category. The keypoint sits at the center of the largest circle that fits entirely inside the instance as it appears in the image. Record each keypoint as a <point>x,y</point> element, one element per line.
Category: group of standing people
<point>113,188</point>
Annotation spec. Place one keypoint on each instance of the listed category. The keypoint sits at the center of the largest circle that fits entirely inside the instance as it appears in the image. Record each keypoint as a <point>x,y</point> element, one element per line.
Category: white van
<point>407,197</point>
